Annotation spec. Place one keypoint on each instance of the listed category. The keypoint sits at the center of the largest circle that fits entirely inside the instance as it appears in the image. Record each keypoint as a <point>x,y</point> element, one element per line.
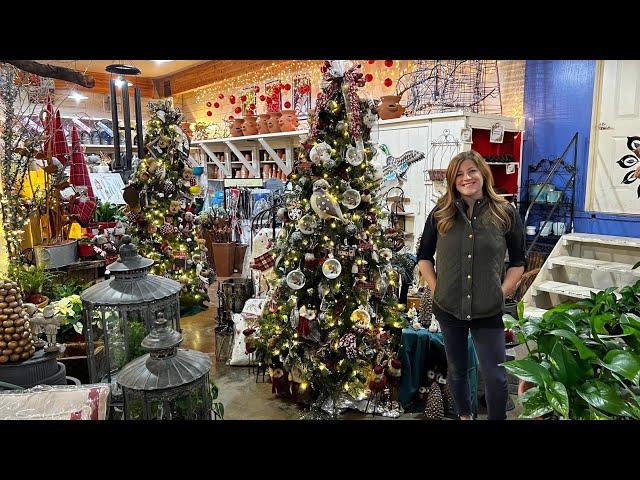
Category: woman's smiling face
<point>469,181</point>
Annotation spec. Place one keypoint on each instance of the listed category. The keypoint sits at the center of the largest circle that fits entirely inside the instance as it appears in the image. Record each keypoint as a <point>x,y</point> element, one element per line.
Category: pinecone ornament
<point>16,339</point>
<point>447,398</point>
<point>426,307</point>
<point>169,187</point>
<point>434,408</point>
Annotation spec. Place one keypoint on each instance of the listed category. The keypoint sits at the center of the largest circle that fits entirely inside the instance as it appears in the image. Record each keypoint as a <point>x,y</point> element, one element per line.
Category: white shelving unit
<point>251,144</point>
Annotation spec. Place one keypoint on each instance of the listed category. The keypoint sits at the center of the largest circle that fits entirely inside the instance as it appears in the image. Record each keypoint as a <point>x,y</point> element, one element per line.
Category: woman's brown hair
<point>445,210</point>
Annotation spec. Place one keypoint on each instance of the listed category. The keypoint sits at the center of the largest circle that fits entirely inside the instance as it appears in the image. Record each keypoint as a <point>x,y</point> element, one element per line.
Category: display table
<point>421,350</point>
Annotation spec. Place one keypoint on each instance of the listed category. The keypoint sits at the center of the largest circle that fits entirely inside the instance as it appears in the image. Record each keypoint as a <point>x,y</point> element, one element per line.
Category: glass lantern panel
<point>114,327</point>
<point>134,406</point>
<point>136,331</point>
<point>182,407</point>
<point>99,358</point>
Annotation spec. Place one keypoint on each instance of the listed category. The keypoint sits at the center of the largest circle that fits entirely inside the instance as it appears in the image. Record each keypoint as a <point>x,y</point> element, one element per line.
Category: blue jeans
<point>490,347</point>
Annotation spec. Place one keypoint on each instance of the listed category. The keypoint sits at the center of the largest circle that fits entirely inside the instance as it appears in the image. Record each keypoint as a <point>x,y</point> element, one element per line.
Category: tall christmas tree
<point>162,209</point>
<point>331,325</point>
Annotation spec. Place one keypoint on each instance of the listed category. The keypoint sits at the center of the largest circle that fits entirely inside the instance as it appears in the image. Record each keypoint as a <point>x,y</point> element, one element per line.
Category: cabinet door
<point>399,141</point>
<point>616,118</point>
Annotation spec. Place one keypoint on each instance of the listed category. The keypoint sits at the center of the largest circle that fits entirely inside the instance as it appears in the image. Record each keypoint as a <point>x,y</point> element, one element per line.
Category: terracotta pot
<point>236,127</point>
<point>38,300</point>
<point>263,123</point>
<point>223,258</point>
<point>273,122</point>
<point>390,107</point>
<point>250,125</point>
<point>288,121</point>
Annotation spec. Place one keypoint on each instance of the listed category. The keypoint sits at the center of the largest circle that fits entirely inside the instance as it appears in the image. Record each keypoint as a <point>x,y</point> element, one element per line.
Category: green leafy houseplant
<point>105,212</point>
<point>31,279</point>
<point>583,358</point>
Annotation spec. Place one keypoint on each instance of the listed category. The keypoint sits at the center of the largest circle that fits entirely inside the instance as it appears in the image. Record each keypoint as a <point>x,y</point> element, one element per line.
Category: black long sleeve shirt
<point>470,260</point>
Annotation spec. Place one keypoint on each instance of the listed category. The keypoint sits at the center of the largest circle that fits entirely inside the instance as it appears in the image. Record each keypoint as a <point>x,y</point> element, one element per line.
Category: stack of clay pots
<point>16,340</point>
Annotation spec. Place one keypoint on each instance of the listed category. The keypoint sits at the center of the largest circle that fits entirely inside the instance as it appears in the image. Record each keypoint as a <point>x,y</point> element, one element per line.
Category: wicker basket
<point>437,174</point>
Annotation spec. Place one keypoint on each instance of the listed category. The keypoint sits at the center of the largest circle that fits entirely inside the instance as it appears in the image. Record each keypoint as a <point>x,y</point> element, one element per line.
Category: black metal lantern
<point>169,383</point>
<point>119,312</point>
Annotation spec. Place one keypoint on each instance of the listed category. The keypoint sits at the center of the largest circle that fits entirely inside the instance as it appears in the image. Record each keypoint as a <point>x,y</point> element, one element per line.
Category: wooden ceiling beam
<point>102,84</point>
<point>211,72</point>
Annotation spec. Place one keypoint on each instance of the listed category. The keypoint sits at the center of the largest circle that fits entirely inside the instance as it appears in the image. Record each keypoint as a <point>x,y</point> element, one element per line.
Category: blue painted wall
<point>558,101</point>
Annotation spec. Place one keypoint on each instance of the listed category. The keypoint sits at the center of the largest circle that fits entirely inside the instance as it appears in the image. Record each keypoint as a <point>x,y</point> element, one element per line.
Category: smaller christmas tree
<point>162,207</point>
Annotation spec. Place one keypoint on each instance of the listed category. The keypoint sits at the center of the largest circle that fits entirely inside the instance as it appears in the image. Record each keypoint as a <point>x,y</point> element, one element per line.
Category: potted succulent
<point>583,359</point>
<point>32,280</point>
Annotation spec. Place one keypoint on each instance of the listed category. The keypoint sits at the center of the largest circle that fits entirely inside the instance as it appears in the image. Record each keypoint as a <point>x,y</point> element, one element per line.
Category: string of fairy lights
<point>217,102</point>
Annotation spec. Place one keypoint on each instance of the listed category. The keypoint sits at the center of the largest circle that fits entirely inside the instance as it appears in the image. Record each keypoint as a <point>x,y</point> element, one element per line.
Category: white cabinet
<point>420,133</point>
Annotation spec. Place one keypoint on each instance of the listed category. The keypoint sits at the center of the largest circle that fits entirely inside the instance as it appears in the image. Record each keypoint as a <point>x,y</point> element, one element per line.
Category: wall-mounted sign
<point>466,135</point>
<point>497,133</point>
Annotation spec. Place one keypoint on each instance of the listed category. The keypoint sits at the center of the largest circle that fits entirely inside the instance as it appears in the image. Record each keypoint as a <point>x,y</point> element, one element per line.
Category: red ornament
<point>208,104</point>
<point>232,99</point>
<point>387,82</point>
<point>221,96</point>
<point>252,106</point>
<point>238,110</point>
<point>243,98</point>
<point>287,87</point>
<point>287,104</point>
<point>368,77</point>
<point>209,113</point>
<point>217,105</point>
<point>231,117</point>
<point>256,89</point>
<point>388,63</point>
<point>276,90</point>
<point>262,98</point>
<point>371,62</point>
<point>269,99</point>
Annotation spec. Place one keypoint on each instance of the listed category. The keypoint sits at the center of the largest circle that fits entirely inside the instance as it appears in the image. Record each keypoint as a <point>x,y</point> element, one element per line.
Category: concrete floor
<point>243,398</point>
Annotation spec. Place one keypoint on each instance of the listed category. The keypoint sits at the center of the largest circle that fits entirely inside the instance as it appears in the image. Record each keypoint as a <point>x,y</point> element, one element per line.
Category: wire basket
<point>437,174</point>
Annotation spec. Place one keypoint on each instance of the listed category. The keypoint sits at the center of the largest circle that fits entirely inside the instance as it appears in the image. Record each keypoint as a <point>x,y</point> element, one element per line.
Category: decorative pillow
<point>56,402</point>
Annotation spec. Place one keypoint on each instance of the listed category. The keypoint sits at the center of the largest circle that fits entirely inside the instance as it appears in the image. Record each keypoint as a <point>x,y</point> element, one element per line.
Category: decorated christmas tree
<point>332,321</point>
<point>162,209</point>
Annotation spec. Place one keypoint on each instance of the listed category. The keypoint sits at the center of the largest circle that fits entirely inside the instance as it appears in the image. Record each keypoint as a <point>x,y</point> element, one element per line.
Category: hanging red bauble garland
<point>221,96</point>
<point>243,98</point>
<point>388,63</point>
<point>208,104</point>
<point>287,104</point>
<point>209,113</point>
<point>276,90</point>
<point>387,82</point>
<point>217,105</point>
<point>252,106</point>
<point>368,77</point>
<point>287,87</point>
<point>371,62</point>
<point>232,99</point>
<point>256,89</point>
<point>238,110</point>
<point>262,98</point>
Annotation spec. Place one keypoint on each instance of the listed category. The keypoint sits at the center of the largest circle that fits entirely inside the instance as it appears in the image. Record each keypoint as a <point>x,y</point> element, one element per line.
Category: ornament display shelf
<point>236,147</point>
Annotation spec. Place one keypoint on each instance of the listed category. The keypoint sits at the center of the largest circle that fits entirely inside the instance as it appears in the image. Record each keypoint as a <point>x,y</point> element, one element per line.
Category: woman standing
<point>469,231</point>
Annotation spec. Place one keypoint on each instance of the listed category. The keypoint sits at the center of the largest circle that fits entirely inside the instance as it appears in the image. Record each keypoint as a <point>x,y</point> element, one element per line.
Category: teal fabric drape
<point>418,349</point>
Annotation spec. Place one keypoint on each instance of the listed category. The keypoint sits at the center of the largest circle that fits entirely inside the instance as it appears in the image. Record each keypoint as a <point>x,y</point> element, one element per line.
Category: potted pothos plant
<point>583,358</point>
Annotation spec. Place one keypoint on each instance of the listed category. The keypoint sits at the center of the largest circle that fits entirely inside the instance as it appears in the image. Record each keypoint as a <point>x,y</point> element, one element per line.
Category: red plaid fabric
<point>60,145</point>
<point>79,174</point>
<point>264,262</point>
<point>84,211</point>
